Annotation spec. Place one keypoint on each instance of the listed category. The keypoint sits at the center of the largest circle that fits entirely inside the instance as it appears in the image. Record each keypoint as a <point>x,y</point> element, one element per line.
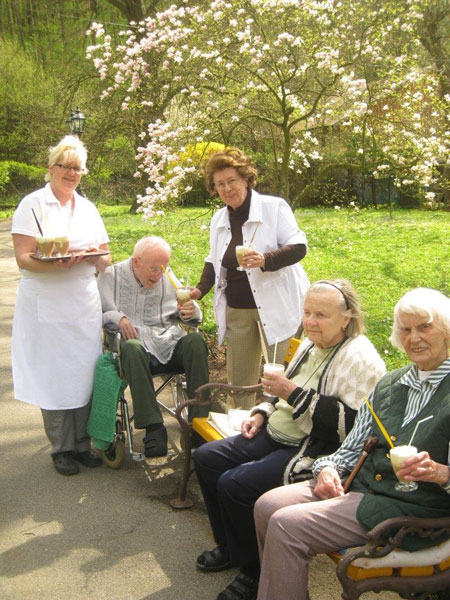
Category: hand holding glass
<point>183,295</point>
<point>398,456</point>
<point>242,251</point>
<point>270,368</point>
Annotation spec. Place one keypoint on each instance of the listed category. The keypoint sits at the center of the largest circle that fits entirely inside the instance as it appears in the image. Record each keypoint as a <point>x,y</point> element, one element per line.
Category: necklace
<point>319,365</point>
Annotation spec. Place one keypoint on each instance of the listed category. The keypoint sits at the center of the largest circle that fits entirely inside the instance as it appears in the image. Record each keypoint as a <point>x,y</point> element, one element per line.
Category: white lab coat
<point>58,317</point>
<point>278,294</point>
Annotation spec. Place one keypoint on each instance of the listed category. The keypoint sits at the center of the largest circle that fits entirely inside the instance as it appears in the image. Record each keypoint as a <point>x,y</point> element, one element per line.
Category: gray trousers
<point>66,429</point>
<point>292,526</point>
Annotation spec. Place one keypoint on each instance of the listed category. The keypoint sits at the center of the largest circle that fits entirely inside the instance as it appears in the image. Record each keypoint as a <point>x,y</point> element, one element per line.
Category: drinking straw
<point>263,344</point>
<point>379,423</point>
<point>417,425</point>
<point>37,222</point>
<point>169,276</point>
<point>275,353</point>
<point>254,233</point>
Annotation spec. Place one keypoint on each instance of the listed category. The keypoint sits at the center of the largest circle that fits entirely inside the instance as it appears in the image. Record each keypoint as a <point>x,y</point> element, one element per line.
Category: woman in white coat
<point>57,319</point>
<point>267,295</point>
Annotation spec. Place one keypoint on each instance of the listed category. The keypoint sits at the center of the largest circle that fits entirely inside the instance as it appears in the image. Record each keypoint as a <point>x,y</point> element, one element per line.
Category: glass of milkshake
<point>241,251</point>
<point>398,456</point>
<point>270,368</point>
<point>45,246</point>
<point>183,295</point>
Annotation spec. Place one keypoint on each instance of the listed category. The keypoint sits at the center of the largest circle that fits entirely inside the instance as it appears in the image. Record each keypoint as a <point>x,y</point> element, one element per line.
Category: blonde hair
<point>69,150</point>
<point>423,302</point>
<point>224,159</point>
<point>349,303</point>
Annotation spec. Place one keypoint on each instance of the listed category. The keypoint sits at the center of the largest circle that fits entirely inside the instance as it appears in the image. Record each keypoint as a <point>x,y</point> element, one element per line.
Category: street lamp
<point>76,122</point>
<point>76,125</point>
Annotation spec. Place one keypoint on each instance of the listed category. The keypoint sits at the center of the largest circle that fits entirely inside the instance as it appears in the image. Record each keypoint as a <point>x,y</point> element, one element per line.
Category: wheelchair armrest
<point>111,337</point>
<point>111,327</point>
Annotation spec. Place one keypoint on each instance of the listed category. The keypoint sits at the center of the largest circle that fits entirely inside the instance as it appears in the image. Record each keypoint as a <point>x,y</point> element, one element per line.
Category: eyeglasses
<point>77,170</point>
<point>230,183</point>
<point>152,270</point>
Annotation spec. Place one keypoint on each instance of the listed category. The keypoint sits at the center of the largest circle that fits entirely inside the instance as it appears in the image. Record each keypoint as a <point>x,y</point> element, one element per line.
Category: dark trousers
<point>190,356</point>
<point>233,473</point>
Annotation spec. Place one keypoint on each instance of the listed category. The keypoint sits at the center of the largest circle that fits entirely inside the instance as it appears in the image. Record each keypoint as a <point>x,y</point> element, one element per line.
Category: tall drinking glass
<point>61,245</point>
<point>241,251</point>
<point>45,246</point>
<point>398,456</point>
<point>183,295</point>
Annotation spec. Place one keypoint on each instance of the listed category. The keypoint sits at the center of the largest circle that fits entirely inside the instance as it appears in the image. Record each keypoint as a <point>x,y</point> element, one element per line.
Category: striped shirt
<point>419,395</point>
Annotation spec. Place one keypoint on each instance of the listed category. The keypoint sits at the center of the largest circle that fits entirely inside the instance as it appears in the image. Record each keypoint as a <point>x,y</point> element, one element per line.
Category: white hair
<point>424,302</point>
<point>149,243</point>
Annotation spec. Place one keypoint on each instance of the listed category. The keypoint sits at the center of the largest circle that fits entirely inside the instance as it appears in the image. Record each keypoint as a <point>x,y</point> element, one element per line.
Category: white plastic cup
<point>398,456</point>
<point>270,368</point>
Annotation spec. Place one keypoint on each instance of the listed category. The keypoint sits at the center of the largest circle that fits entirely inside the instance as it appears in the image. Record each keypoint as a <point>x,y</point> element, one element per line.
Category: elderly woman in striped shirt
<point>316,513</point>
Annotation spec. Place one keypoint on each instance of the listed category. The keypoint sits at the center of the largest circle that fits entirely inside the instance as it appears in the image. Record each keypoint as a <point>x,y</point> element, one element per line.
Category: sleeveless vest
<point>376,479</point>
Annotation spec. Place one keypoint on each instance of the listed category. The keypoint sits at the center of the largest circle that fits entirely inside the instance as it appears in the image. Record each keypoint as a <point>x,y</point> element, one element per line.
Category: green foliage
<point>194,154</point>
<point>382,256</point>
<point>19,178</point>
<point>26,107</point>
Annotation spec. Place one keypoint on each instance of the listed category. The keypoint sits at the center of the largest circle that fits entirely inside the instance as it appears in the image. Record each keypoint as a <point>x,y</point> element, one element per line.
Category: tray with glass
<point>51,249</point>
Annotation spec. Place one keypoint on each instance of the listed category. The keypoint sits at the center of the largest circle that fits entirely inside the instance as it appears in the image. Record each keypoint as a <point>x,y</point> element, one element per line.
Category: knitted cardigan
<point>152,311</point>
<point>327,414</point>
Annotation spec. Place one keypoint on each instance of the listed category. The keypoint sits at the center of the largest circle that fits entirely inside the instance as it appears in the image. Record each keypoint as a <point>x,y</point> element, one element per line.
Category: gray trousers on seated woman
<point>66,429</point>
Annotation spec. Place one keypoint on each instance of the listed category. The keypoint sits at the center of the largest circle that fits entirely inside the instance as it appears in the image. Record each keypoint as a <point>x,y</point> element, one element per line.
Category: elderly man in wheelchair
<point>139,297</point>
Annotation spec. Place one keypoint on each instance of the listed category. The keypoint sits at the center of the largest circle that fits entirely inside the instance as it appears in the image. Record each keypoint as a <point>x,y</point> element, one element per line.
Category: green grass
<point>382,256</point>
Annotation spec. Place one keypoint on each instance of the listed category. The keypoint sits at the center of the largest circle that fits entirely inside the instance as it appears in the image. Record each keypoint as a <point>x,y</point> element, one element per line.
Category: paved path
<point>102,534</point>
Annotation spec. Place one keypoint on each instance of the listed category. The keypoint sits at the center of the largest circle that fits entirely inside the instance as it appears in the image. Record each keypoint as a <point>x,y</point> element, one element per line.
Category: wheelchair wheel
<point>114,457</point>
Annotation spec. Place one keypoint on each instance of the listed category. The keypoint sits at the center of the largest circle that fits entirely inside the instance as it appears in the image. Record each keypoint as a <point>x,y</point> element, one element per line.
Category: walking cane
<point>368,447</point>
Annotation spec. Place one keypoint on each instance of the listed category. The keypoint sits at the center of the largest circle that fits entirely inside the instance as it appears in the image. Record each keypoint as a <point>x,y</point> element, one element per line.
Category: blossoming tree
<point>253,70</point>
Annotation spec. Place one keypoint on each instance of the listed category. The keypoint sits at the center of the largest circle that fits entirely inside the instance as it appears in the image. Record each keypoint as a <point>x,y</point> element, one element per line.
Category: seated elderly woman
<point>314,408</point>
<point>316,513</point>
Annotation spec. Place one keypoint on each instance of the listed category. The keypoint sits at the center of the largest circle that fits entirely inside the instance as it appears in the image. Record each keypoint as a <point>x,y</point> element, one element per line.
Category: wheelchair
<point>114,456</point>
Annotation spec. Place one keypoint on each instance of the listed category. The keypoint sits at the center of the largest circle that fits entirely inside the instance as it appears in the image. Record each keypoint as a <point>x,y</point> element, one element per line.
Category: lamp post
<point>76,122</point>
<point>76,125</point>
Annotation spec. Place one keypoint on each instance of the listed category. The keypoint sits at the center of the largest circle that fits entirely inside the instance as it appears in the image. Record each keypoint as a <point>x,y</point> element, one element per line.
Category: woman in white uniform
<point>266,297</point>
<point>57,320</point>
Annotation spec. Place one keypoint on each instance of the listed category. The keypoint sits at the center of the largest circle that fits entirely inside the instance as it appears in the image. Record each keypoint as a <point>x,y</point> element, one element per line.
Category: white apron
<point>56,338</point>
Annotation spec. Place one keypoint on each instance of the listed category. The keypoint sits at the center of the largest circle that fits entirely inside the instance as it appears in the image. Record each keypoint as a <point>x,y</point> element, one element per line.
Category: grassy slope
<point>382,256</point>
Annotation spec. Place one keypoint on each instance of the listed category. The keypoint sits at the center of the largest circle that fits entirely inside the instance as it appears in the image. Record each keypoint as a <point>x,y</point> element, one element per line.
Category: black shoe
<point>155,442</point>
<point>243,587</point>
<point>211,561</point>
<point>65,463</point>
<point>88,458</point>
